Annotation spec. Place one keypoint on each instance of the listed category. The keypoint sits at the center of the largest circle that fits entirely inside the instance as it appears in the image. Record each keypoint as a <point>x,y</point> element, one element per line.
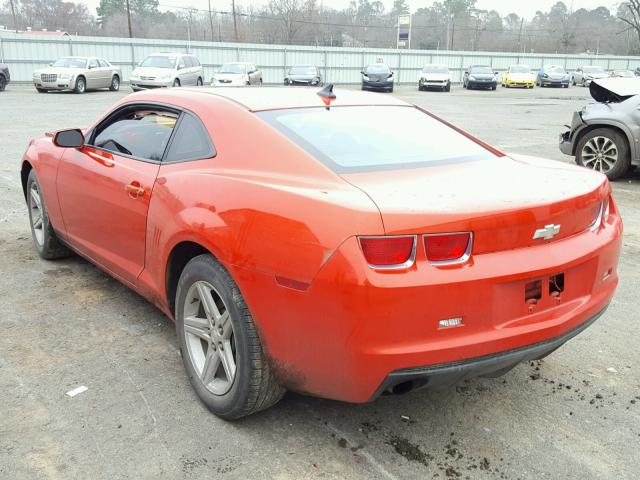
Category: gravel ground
<point>574,415</point>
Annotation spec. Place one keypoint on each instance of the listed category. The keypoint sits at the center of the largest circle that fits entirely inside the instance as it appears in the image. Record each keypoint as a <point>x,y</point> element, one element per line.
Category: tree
<point>629,13</point>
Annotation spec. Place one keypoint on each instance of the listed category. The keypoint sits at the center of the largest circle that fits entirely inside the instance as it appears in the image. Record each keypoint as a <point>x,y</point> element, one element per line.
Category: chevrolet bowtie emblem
<point>548,232</point>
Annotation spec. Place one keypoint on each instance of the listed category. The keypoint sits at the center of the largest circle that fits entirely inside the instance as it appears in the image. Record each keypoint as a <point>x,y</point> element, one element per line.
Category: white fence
<point>25,53</point>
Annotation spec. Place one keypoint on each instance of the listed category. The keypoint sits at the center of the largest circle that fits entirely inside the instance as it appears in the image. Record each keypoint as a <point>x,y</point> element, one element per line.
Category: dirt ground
<point>66,324</point>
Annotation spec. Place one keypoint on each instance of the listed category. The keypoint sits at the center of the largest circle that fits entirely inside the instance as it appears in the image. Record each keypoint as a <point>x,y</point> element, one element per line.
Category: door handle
<point>134,190</point>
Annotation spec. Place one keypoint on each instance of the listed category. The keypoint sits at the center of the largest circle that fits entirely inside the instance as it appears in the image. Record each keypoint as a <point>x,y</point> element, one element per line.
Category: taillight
<point>602,212</point>
<point>448,247</point>
<point>388,252</point>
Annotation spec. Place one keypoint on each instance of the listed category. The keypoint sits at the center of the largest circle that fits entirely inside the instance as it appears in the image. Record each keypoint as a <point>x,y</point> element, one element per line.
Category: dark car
<point>637,71</point>
<point>303,75</point>
<point>377,76</point>
<point>602,134</point>
<point>5,78</point>
<point>553,76</point>
<point>480,76</point>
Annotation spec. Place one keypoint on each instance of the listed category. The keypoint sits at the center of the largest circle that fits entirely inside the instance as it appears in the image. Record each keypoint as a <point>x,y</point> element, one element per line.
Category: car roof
<point>275,98</point>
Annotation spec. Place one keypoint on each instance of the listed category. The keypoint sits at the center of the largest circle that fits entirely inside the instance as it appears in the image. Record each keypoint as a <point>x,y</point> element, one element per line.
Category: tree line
<point>444,25</point>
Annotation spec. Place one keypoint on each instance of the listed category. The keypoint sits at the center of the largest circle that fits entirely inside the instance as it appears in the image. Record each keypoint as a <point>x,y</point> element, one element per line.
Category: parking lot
<point>575,414</point>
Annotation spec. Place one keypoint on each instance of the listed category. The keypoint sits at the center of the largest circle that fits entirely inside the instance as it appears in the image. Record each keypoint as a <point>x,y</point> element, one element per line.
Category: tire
<point>260,83</point>
<point>81,85</point>
<point>44,237</point>
<point>176,83</point>
<point>115,83</point>
<point>3,83</point>
<point>253,386</point>
<point>493,88</point>
<point>419,87</point>
<point>199,82</point>
<point>598,138</point>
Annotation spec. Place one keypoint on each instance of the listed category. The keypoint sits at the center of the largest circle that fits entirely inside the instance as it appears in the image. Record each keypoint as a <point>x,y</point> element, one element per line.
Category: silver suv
<point>167,70</point>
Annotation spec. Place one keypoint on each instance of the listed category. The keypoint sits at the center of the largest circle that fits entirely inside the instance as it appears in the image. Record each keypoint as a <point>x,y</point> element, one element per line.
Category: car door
<point>93,74</point>
<point>105,73</point>
<point>105,187</point>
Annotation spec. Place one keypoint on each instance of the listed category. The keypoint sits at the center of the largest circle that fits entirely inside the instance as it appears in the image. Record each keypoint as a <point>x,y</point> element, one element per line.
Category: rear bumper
<point>486,366</point>
<point>353,328</point>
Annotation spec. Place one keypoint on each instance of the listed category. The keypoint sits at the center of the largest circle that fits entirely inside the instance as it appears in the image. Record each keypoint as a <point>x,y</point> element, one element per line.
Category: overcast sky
<point>524,8</point>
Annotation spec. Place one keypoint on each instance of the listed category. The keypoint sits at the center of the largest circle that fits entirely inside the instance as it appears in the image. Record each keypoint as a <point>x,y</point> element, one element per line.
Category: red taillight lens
<point>447,247</point>
<point>388,251</point>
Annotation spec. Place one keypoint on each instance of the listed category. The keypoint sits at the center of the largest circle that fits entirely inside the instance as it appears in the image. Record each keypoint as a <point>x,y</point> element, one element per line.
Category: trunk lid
<point>502,200</point>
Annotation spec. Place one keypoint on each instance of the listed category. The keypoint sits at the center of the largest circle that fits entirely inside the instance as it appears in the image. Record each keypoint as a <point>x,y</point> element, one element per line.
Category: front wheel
<point>199,82</point>
<point>81,85</point>
<point>176,83</point>
<point>44,237</point>
<point>220,345</point>
<point>604,150</point>
<point>3,83</point>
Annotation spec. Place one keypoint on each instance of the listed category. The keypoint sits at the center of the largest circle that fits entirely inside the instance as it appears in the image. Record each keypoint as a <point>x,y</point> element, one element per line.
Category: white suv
<point>167,70</point>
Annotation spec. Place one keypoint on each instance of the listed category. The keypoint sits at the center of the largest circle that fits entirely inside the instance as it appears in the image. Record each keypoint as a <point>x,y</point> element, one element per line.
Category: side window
<point>141,133</point>
<point>182,63</point>
<point>93,63</point>
<point>103,63</point>
<point>196,62</point>
<point>191,141</point>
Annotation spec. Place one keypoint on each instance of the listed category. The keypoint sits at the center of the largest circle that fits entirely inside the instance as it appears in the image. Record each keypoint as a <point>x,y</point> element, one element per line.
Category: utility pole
<point>129,19</point>
<point>520,34</point>
<point>211,20</point>
<point>235,23</point>
<point>13,14</point>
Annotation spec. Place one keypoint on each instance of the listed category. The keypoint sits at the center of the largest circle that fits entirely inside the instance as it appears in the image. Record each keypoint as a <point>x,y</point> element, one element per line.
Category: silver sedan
<point>78,74</point>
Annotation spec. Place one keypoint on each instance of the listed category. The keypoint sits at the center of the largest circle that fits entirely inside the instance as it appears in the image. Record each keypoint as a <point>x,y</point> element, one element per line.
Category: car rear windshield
<point>71,63</point>
<point>157,61</point>
<point>366,138</point>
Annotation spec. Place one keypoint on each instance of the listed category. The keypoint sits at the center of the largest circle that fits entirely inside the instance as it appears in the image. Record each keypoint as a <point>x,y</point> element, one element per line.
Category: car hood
<point>520,76</point>
<point>503,200</point>
<point>153,71</point>
<point>302,78</point>
<point>614,90</point>
<point>483,76</point>
<point>556,76</point>
<point>229,76</point>
<point>435,76</point>
<point>58,70</point>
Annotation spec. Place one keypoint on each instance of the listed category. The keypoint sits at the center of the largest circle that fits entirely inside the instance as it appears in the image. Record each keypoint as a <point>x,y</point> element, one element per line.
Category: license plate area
<point>536,293</point>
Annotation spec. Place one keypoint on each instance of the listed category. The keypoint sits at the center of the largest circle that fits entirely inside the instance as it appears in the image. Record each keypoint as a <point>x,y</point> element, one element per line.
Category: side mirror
<point>51,64</point>
<point>362,72</point>
<point>496,73</point>
<point>466,73</point>
<point>72,138</point>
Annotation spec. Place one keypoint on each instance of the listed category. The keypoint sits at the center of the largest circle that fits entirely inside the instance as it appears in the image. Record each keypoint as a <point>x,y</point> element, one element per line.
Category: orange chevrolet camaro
<point>344,247</point>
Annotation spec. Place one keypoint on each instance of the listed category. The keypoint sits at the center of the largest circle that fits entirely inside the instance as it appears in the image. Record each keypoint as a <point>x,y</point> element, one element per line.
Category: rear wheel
<point>176,83</point>
<point>115,83</point>
<point>604,150</point>
<point>45,239</point>
<point>220,345</point>
<point>3,83</point>
<point>81,85</point>
<point>199,82</point>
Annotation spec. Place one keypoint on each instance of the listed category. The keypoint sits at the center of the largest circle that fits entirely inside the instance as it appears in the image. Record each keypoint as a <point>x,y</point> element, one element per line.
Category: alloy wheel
<point>209,337</point>
<point>37,219</point>
<point>599,153</point>
<point>115,84</point>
